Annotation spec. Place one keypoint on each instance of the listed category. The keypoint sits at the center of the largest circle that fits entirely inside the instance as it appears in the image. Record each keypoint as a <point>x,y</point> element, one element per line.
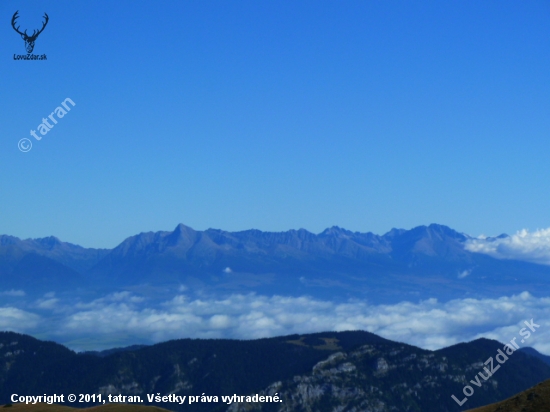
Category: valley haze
<point>430,286</point>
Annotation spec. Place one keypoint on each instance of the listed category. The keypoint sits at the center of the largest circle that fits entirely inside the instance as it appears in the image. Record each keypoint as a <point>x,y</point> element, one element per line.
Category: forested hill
<point>346,369</point>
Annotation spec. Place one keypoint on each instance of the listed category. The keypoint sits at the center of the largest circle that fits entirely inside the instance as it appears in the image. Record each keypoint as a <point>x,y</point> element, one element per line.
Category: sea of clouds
<point>121,319</point>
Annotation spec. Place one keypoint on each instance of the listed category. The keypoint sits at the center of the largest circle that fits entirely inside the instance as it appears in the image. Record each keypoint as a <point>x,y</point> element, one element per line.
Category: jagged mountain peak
<point>6,240</point>
<point>50,242</point>
<point>433,240</point>
<point>435,230</point>
<point>182,229</point>
<point>182,234</point>
<point>336,231</point>
<point>393,233</point>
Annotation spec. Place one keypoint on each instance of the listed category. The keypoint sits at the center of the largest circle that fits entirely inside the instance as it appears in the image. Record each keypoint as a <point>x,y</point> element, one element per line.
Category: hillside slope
<point>536,399</point>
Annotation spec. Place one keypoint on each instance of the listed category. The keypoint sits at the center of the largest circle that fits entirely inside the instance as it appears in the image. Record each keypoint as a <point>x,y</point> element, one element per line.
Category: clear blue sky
<point>276,115</point>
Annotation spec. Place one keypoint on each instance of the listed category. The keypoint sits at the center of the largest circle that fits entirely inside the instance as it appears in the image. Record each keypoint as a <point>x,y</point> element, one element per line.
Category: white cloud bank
<point>123,319</point>
<point>524,245</point>
<point>17,320</point>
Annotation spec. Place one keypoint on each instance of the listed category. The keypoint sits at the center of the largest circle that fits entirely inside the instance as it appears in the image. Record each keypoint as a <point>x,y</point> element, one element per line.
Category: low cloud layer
<point>122,319</point>
<point>524,245</point>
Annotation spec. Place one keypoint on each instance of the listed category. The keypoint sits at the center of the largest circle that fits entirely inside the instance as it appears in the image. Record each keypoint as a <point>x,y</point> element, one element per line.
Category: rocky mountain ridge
<point>420,263</point>
<point>345,371</point>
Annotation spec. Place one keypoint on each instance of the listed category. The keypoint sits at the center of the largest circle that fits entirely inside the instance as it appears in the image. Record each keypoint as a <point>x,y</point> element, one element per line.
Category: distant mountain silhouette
<point>427,261</point>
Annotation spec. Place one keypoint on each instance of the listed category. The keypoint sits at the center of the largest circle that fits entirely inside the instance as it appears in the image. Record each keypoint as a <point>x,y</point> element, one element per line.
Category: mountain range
<point>345,371</point>
<point>427,261</point>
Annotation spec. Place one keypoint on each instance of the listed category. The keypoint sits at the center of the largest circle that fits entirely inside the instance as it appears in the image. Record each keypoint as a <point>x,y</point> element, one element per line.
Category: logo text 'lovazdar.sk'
<point>29,39</point>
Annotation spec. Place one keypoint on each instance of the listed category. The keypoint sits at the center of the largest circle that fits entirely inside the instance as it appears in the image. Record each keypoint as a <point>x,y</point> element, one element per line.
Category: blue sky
<point>276,115</point>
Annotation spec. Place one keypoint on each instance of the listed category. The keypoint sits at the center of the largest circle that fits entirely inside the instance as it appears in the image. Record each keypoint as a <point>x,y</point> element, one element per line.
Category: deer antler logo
<point>29,40</point>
